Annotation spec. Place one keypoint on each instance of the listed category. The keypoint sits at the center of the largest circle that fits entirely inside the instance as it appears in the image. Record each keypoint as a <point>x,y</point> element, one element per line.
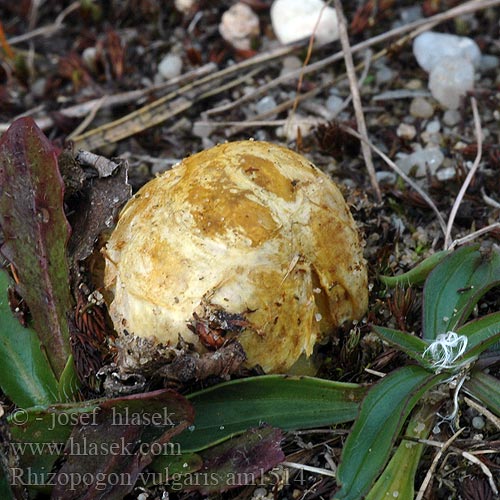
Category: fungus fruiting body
<point>246,240</point>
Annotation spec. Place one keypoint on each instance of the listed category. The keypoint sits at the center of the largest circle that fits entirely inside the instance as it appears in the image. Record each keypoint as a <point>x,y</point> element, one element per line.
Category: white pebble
<point>203,130</point>
<point>406,131</point>
<point>411,14</point>
<point>421,161</point>
<point>266,104</point>
<point>170,66</point>
<point>334,104</point>
<point>259,492</point>
<point>451,117</point>
<point>294,124</point>
<point>239,25</point>
<point>184,6</point>
<point>384,75</point>
<point>295,20</point>
<point>446,174</point>
<point>433,127</point>
<point>450,80</point>
<point>290,64</point>
<point>89,56</point>
<point>478,422</point>
<point>431,48</point>
<point>421,108</point>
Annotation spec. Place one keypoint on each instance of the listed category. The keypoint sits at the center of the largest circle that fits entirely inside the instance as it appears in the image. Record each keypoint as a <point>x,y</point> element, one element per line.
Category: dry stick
<point>470,175</point>
<point>83,109</point>
<point>474,235</point>
<point>405,177</point>
<point>356,98</point>
<point>365,66</point>
<point>471,456</point>
<point>88,119</point>
<point>430,472</point>
<point>160,110</point>
<point>418,27</point>
<point>46,30</point>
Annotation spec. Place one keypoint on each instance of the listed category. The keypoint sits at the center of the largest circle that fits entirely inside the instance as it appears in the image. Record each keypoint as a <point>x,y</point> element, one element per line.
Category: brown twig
<point>356,98</point>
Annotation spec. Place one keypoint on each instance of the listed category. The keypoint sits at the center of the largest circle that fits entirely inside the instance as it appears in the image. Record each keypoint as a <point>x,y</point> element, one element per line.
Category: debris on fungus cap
<point>246,240</point>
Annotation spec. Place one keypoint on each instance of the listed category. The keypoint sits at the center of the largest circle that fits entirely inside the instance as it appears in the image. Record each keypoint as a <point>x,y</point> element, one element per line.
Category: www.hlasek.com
<point>176,481</point>
<point>82,447</point>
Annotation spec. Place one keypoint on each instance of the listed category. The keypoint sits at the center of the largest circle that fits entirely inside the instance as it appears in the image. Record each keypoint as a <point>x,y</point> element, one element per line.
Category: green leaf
<point>25,374</point>
<point>416,275</point>
<point>36,233</point>
<point>281,401</point>
<point>383,413</point>
<point>68,385</point>
<point>482,333</point>
<point>485,388</point>
<point>455,286</point>
<point>398,478</point>
<point>406,342</point>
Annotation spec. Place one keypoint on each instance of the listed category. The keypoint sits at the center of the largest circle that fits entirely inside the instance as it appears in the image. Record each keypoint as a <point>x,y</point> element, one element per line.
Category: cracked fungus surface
<point>249,228</point>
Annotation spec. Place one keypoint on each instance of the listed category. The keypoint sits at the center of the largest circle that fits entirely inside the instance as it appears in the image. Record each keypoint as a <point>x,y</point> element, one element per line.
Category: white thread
<point>445,350</point>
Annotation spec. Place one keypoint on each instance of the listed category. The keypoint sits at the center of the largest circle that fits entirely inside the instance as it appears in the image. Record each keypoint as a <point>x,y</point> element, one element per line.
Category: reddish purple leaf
<point>237,462</point>
<point>36,232</point>
<point>106,456</point>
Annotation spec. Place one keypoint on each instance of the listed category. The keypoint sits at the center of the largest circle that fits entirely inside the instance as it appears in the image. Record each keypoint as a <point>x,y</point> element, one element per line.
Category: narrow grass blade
<point>398,478</point>
<point>416,275</point>
<point>383,413</point>
<point>406,342</point>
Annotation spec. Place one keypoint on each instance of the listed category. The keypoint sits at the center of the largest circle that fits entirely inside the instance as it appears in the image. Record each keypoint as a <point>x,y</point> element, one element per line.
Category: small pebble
<point>421,108</point>
<point>421,161</point>
<point>478,422</point>
<point>384,75</point>
<point>405,131</point>
<point>386,177</point>
<point>259,492</point>
<point>450,80</point>
<point>239,25</point>
<point>266,104</point>
<point>431,48</point>
<point>295,20</point>
<point>89,57</point>
<point>293,124</point>
<point>203,130</point>
<point>184,6</point>
<point>170,66</point>
<point>290,63</point>
<point>433,127</point>
<point>446,174</point>
<point>334,104</point>
<point>411,14</point>
<point>451,117</point>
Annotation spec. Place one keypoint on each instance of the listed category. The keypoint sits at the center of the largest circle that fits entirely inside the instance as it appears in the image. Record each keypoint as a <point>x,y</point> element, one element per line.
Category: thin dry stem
<point>356,99</point>
<point>439,454</point>
<point>470,175</point>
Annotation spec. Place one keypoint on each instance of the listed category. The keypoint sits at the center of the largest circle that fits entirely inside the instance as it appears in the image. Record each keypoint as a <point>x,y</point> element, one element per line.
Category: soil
<point>111,48</point>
